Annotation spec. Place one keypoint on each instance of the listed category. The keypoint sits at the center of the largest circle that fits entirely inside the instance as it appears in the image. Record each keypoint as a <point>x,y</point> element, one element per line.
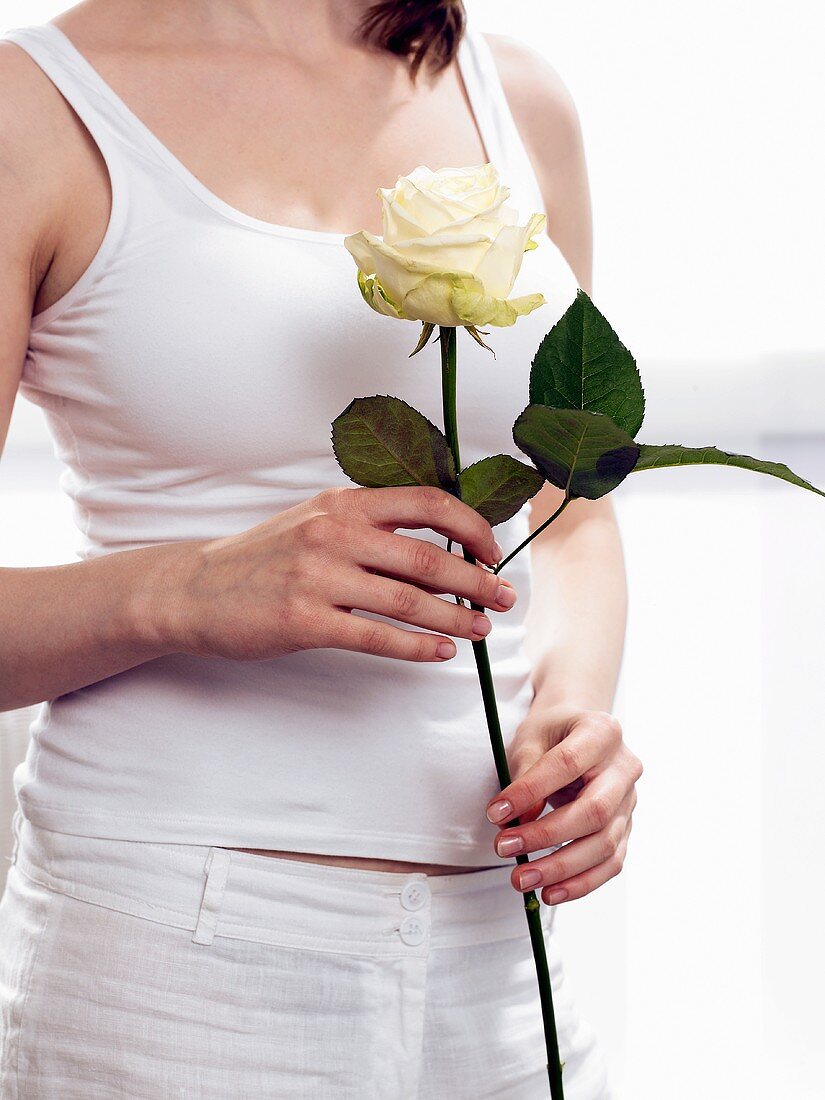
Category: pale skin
<point>295,71</point>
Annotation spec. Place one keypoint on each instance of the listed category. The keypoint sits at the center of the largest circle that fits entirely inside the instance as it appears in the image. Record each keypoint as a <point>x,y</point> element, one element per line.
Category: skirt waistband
<point>214,891</point>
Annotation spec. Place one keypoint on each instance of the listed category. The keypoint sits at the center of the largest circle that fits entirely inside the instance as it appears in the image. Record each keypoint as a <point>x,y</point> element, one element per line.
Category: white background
<point>701,966</point>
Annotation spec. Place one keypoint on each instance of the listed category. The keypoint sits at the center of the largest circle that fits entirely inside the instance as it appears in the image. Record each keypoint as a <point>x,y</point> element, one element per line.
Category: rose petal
<point>447,252</point>
<point>438,200</point>
<point>398,222</point>
<point>502,261</point>
<point>431,210</point>
<point>376,297</point>
<point>397,273</point>
<point>474,307</point>
<point>432,299</point>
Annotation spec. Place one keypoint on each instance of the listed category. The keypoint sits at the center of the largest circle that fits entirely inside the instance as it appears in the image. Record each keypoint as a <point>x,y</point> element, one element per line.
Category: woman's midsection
<point>365,863</point>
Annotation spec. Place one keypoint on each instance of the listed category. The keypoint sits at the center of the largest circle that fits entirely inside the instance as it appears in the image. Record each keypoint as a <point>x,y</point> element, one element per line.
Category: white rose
<point>451,250</point>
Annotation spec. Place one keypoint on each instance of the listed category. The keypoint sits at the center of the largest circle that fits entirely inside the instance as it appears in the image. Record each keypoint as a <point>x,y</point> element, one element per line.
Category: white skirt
<point>152,971</point>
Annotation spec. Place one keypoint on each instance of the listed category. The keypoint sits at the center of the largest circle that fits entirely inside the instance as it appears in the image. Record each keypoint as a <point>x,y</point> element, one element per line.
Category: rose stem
<point>447,339</point>
<point>532,535</point>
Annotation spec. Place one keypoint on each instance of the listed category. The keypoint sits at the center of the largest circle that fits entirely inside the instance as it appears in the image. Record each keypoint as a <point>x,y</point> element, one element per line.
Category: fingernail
<point>556,895</point>
<point>498,553</point>
<point>481,626</point>
<point>506,596</point>
<point>510,845</point>
<point>529,878</point>
<point>445,650</point>
<point>499,811</point>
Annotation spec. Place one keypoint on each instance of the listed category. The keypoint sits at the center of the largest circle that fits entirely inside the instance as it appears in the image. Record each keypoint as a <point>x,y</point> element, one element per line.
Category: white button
<point>411,931</point>
<point>415,895</point>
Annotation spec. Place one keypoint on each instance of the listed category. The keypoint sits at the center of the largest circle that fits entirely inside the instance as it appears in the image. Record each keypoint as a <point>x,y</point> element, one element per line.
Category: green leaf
<point>382,441</point>
<point>656,456</point>
<point>582,452</point>
<point>498,487</point>
<point>582,364</point>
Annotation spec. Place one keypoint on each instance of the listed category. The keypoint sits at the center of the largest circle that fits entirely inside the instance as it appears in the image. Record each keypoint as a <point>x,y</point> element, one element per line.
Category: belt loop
<point>216,870</point>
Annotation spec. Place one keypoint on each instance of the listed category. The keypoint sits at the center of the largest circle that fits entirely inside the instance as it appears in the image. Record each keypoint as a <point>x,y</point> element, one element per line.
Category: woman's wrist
<point>580,701</point>
<point>158,614</point>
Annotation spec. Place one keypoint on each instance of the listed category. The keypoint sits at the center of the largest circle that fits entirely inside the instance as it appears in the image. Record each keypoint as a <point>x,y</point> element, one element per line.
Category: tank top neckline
<point>63,43</point>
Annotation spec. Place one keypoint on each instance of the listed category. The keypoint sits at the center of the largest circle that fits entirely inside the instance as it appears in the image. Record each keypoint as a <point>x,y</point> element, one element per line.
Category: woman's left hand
<point>575,760</point>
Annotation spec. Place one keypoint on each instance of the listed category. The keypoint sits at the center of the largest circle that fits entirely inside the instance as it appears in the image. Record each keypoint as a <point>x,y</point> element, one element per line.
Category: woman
<point>251,853</point>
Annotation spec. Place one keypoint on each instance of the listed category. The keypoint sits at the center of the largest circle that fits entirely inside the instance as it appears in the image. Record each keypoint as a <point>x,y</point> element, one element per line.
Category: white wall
<point>700,966</point>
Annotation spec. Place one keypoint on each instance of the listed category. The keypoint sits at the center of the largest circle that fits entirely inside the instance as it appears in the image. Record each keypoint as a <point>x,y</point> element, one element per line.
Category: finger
<point>435,591</point>
<point>405,557</point>
<point>423,506</point>
<point>586,859</point>
<point>592,813</point>
<point>591,741</point>
<point>577,886</point>
<point>363,635</point>
<point>409,604</point>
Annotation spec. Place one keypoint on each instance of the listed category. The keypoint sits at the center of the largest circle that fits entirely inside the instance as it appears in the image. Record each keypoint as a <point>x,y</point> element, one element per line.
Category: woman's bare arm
<point>569,751</point>
<point>578,612</point>
<point>65,626</point>
<point>578,609</point>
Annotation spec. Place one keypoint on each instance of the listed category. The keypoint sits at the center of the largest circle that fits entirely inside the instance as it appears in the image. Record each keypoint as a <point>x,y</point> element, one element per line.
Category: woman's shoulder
<point>38,134</point>
<point>31,158</point>
<point>541,102</point>
<point>53,187</point>
<point>548,122</point>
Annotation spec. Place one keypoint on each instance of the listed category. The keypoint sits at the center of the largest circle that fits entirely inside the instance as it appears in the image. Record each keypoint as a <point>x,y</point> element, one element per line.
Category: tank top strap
<point>92,100</point>
<point>504,144</point>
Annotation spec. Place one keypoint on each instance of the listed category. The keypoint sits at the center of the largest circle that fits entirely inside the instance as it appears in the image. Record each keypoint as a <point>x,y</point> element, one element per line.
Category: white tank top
<point>189,380</point>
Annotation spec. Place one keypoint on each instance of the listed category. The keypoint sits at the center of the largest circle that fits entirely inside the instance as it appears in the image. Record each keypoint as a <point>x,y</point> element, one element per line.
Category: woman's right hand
<point>291,582</point>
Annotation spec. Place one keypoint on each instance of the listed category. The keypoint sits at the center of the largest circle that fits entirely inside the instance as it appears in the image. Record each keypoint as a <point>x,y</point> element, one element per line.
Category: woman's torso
<point>252,119</point>
<point>190,389</point>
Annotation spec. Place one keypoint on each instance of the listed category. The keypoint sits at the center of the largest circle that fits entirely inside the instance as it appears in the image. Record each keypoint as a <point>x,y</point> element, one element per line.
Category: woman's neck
<point>316,27</point>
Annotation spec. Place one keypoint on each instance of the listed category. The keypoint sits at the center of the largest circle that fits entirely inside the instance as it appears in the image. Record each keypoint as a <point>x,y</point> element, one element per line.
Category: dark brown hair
<point>419,30</point>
